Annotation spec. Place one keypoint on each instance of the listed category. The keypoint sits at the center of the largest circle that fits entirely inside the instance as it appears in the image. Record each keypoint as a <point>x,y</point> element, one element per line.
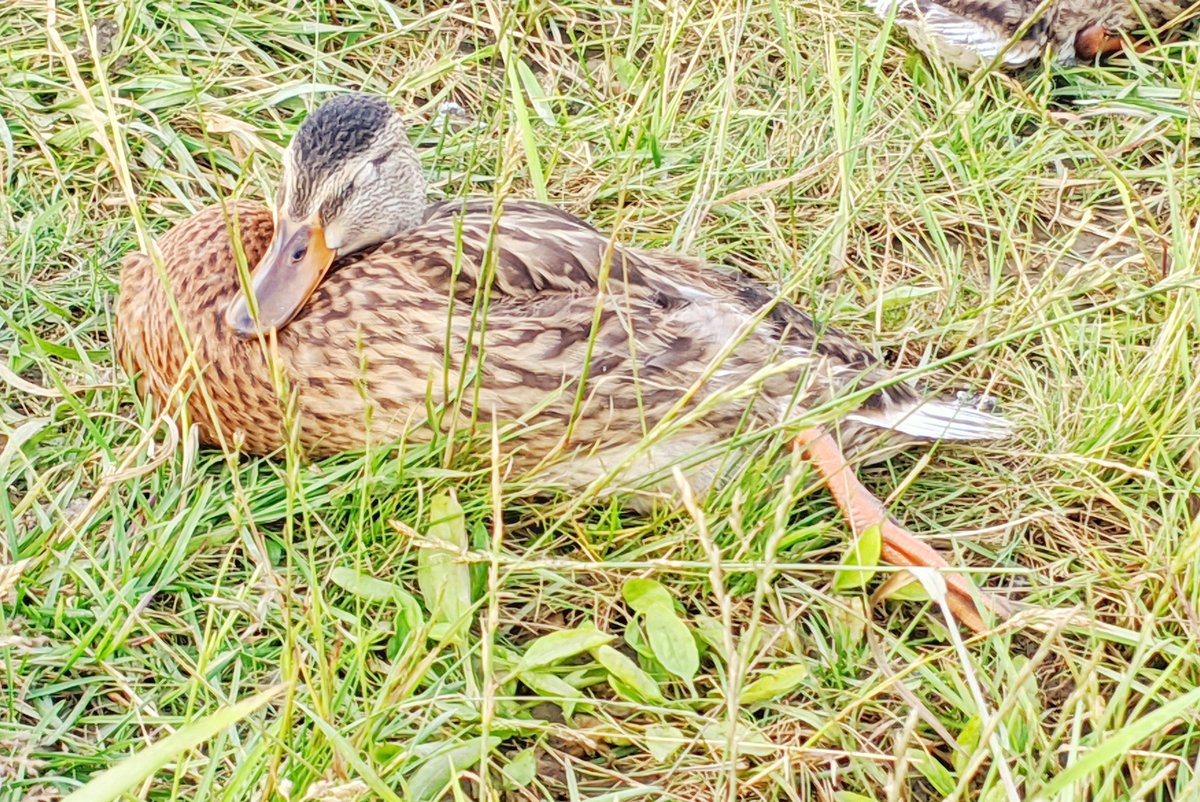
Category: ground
<point>1034,237</point>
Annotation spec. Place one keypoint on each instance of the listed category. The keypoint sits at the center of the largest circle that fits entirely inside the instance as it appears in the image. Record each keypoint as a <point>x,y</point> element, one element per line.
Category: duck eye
<point>299,253</point>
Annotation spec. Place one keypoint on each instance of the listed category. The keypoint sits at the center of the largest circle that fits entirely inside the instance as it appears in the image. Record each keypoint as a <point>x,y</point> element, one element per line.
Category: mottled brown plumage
<point>492,307</point>
<point>971,33</point>
<point>382,319</point>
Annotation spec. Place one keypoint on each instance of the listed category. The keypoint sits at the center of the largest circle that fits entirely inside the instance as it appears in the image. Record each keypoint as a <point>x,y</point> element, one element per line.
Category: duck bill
<point>296,261</point>
<point>1097,41</point>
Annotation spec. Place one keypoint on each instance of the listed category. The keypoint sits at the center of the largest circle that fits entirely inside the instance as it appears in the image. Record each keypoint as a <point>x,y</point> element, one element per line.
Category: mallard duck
<point>970,33</point>
<point>372,303</point>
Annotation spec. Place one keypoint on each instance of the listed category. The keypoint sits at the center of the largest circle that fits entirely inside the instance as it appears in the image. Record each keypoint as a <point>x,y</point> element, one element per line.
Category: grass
<point>1047,227</point>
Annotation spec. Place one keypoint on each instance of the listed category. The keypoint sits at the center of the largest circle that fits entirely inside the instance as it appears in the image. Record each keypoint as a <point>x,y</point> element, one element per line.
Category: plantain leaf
<point>865,551</point>
<point>968,739</point>
<point>932,770</point>
<point>663,740</point>
<point>521,770</point>
<point>643,594</point>
<point>554,688</point>
<point>536,95</point>
<point>367,587</point>
<point>629,674</point>
<point>370,588</point>
<point>439,770</point>
<point>912,591</point>
<point>902,296</point>
<point>712,632</point>
<point>774,683</point>
<point>672,641</point>
<point>626,72</point>
<point>444,580</point>
<point>748,741</point>
<point>635,638</point>
<point>560,645</point>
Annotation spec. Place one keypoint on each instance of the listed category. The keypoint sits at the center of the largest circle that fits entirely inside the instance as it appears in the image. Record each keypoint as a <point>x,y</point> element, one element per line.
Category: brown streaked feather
<point>970,33</point>
<point>390,325</point>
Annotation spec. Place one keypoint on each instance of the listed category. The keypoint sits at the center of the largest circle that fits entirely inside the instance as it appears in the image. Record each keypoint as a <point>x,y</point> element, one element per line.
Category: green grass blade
<point>1119,743</point>
<point>113,782</point>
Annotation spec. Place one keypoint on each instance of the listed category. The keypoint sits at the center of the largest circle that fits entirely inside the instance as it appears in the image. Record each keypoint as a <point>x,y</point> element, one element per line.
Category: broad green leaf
<point>774,683</point>
<point>643,594</point>
<point>445,582</point>
<point>1116,745</point>
<point>367,587</point>
<point>625,691</point>
<point>865,551</point>
<point>370,588</point>
<point>913,591</point>
<point>902,296</point>
<point>968,739</point>
<point>1020,721</point>
<point>438,771</point>
<point>133,770</point>
<point>626,72</point>
<point>672,641</point>
<point>521,770</point>
<point>932,770</point>
<point>629,674</point>
<point>443,631</point>
<point>560,645</point>
<point>18,437</point>
<point>635,638</point>
<point>504,655</point>
<point>554,688</point>
<point>749,741</point>
<point>711,632</point>
<point>850,796</point>
<point>446,521</point>
<point>663,740</point>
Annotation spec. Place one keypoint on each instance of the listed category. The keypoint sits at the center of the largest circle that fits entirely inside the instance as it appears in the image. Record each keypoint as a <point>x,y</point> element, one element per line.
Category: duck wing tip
<point>938,419</point>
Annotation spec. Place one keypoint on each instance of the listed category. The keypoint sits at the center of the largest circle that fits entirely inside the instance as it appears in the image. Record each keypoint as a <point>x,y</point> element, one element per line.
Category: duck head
<point>351,180</point>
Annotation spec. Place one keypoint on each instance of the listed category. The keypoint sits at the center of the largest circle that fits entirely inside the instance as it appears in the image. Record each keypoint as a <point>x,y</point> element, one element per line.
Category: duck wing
<point>896,406</point>
<point>970,33</point>
<point>666,322</point>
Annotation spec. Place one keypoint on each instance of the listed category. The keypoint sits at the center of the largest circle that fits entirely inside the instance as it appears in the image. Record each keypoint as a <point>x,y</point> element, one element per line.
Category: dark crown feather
<point>338,130</point>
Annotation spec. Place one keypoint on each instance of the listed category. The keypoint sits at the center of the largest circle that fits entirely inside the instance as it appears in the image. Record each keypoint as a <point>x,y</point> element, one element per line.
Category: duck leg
<point>900,547</point>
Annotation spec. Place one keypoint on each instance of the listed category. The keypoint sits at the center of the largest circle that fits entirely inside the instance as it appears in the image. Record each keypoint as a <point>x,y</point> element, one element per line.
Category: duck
<point>354,314</point>
<point>969,34</point>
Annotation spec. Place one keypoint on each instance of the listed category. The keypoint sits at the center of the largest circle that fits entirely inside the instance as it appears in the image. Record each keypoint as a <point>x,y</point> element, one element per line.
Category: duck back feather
<point>523,315</point>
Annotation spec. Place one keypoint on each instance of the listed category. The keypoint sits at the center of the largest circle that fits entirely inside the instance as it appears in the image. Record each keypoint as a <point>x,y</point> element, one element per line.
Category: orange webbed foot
<point>900,547</point>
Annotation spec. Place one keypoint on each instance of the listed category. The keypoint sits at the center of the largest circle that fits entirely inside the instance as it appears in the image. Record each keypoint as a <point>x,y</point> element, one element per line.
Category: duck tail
<point>938,420</point>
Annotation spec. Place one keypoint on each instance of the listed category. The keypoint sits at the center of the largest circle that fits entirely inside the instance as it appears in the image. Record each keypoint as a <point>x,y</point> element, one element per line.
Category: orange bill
<point>1097,41</point>
<point>287,276</point>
